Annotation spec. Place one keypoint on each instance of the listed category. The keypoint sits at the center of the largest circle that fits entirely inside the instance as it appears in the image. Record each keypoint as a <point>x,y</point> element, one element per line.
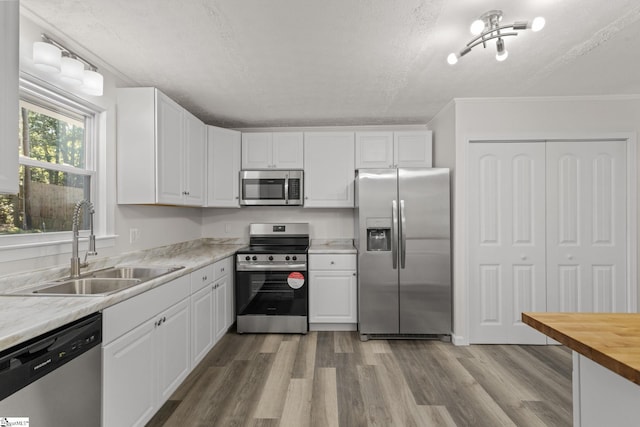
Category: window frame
<point>15,247</point>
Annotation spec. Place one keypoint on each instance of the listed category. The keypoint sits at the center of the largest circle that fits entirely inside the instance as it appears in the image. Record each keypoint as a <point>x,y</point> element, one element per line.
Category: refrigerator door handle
<point>403,235</point>
<point>394,239</point>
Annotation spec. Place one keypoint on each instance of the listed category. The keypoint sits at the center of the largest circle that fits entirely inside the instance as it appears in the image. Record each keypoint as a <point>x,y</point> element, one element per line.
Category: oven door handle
<point>262,267</point>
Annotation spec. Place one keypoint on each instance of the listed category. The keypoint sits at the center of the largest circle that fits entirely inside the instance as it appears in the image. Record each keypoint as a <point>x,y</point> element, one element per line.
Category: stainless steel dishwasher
<point>55,379</point>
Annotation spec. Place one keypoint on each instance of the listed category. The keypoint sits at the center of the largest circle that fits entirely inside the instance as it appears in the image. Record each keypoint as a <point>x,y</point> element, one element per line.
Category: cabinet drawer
<point>201,278</point>
<point>123,317</point>
<point>332,262</point>
<point>223,267</point>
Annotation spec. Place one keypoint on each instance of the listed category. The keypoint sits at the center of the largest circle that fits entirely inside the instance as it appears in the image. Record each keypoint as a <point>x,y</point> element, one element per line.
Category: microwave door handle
<point>286,189</point>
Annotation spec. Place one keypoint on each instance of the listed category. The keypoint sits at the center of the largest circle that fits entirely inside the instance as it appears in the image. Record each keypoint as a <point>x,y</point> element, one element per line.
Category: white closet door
<point>586,229</point>
<point>507,240</point>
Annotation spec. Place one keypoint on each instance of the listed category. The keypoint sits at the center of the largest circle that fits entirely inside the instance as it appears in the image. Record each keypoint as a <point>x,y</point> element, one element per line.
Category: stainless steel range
<point>272,286</point>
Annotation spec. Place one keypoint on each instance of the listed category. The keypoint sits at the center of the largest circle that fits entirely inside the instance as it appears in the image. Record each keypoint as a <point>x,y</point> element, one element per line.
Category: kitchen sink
<point>100,282</point>
<point>87,286</point>
<point>142,273</point>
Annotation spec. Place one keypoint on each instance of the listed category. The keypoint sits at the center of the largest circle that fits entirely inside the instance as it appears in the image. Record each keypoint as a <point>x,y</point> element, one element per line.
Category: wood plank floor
<point>333,379</point>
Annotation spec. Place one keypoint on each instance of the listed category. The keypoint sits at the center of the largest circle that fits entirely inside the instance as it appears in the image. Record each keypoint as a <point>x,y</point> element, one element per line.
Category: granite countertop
<point>336,246</point>
<point>26,317</point>
<point>610,339</point>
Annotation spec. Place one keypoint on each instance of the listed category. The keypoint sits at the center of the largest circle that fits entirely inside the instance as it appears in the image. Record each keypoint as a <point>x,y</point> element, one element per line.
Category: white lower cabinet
<point>211,301</point>
<point>333,293</point>
<point>152,341</point>
<point>202,313</point>
<point>147,362</point>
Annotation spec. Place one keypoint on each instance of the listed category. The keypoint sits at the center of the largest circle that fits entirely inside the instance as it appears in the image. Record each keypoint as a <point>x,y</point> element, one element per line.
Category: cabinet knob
<point>569,256</point>
<point>353,274</point>
<point>523,257</point>
<point>332,262</point>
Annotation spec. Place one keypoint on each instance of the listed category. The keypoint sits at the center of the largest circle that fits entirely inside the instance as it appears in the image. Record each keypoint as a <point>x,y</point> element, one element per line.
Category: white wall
<point>234,223</point>
<point>525,118</point>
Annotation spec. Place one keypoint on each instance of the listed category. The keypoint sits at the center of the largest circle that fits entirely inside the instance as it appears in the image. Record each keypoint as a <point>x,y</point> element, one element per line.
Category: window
<point>53,170</point>
<point>59,139</point>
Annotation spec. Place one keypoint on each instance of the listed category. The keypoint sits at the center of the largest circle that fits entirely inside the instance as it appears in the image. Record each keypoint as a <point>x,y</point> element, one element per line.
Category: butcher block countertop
<point>610,339</point>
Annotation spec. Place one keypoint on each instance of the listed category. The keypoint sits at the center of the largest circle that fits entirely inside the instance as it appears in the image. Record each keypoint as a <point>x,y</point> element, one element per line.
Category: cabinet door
<point>223,171</point>
<point>170,161</point>
<point>202,324</point>
<point>9,100</point>
<point>412,149</point>
<point>288,150</point>
<point>333,297</point>
<point>256,150</point>
<point>231,306</point>
<point>195,141</point>
<point>329,163</point>
<point>374,150</point>
<point>172,347</point>
<point>221,288</point>
<point>129,378</point>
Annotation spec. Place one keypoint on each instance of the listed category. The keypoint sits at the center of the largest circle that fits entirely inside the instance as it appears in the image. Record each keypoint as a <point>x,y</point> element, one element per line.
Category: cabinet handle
<point>164,319</point>
<point>204,278</point>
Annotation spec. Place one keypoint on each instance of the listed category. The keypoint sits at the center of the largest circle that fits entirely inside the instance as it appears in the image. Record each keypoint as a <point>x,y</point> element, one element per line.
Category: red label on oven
<point>295,280</point>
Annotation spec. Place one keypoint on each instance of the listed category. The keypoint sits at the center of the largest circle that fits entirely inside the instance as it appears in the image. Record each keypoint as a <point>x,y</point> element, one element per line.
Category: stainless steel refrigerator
<point>404,251</point>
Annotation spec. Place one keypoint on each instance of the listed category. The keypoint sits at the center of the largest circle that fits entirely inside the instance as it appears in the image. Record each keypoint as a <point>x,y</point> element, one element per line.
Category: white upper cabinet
<point>161,150</point>
<point>393,149</point>
<point>9,18</point>
<point>195,148</point>
<point>223,167</point>
<point>374,150</point>
<point>272,150</point>
<point>329,169</point>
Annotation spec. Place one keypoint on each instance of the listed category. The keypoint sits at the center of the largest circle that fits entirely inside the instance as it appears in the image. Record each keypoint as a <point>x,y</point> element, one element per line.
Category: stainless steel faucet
<point>75,259</point>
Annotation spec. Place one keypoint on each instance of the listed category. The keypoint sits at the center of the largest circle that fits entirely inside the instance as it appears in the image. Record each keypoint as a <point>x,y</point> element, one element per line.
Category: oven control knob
<point>270,258</point>
<point>295,257</point>
<point>247,258</point>
<point>287,258</point>
<point>255,258</point>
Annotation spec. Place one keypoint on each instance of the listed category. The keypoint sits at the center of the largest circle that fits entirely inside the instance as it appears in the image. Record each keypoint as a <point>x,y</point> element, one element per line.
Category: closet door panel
<point>586,233</point>
<point>507,240</point>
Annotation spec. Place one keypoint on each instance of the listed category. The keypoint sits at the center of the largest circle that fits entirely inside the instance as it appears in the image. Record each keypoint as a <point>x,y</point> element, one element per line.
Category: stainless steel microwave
<point>271,188</point>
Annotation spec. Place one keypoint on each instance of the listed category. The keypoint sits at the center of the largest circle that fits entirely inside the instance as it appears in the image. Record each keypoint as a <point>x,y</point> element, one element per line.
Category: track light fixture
<point>51,56</point>
<point>488,27</point>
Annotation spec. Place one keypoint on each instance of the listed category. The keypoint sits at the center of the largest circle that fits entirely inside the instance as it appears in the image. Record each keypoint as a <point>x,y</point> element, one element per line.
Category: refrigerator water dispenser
<point>378,239</point>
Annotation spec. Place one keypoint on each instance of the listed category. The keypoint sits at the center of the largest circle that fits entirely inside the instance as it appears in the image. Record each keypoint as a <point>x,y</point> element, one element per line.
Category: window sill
<point>37,249</point>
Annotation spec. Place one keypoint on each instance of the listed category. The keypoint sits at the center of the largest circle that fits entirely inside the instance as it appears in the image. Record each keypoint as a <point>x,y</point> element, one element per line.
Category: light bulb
<point>501,56</point>
<point>452,59</point>
<point>46,56</point>
<point>538,23</point>
<point>477,27</point>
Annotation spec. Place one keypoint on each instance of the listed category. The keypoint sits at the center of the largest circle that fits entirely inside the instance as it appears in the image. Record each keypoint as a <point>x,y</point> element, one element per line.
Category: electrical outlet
<point>134,235</point>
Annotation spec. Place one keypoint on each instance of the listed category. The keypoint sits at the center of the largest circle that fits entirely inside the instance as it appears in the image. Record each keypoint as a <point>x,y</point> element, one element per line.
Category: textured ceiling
<point>251,63</point>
